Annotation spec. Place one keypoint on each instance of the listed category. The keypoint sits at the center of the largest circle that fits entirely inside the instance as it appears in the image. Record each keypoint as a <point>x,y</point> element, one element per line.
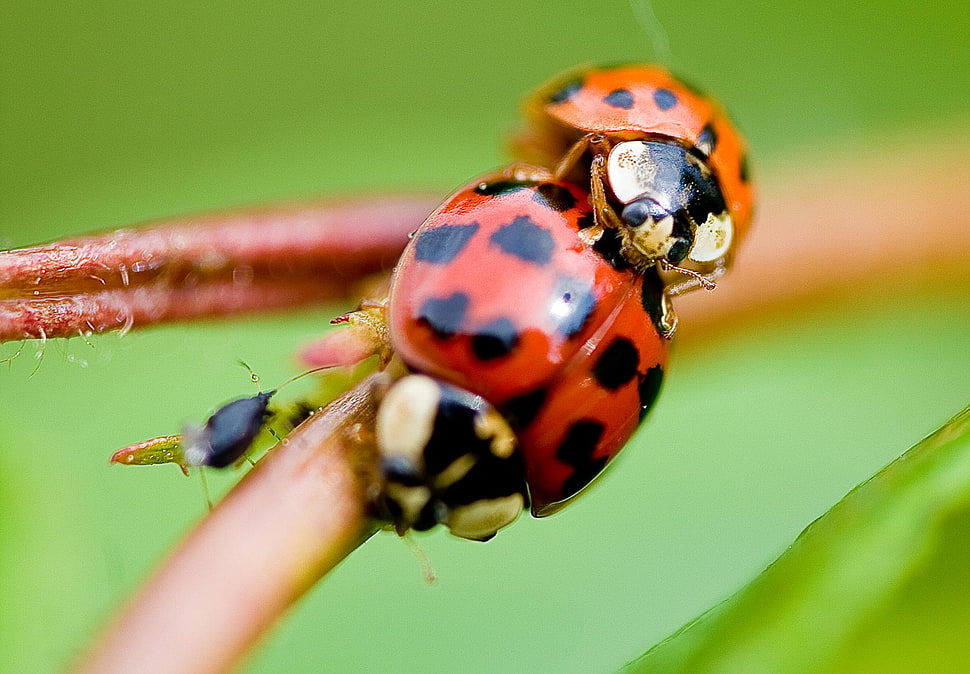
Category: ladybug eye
<point>637,213</point>
<point>653,231</point>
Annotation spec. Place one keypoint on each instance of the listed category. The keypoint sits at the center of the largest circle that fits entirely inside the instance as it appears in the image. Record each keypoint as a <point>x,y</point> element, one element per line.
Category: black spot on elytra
<point>555,197</point>
<point>608,246</point>
<point>525,240</point>
<point>580,442</point>
<point>744,170</point>
<point>495,340</point>
<point>570,305</point>
<point>617,364</point>
<point>619,98</point>
<point>523,409</point>
<point>576,450</point>
<point>651,295</point>
<point>444,315</point>
<point>443,244</point>
<point>582,476</point>
<point>706,141</point>
<point>664,98</point>
<point>586,220</point>
<point>566,92</point>
<point>500,187</point>
<point>649,389</point>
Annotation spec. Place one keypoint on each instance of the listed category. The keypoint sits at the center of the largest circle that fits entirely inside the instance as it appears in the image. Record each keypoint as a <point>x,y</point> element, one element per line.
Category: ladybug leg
<point>604,213</point>
<point>591,142</point>
<point>599,146</point>
<point>569,166</point>
<point>667,322</point>
<point>564,168</point>
<point>695,280</point>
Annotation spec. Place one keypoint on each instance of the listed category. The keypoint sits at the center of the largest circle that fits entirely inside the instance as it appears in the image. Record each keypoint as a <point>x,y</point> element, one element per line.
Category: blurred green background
<point>115,112</point>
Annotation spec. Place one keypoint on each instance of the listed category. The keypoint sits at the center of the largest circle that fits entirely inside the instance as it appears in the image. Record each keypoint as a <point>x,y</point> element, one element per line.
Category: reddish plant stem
<point>850,227</point>
<point>195,267</point>
<point>294,517</point>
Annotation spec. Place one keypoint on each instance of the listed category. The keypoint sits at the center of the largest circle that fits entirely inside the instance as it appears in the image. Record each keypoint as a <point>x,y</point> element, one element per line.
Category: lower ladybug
<point>534,355</point>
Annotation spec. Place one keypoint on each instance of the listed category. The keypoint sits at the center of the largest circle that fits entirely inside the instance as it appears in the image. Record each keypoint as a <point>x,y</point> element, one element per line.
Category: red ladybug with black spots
<point>528,321</point>
<point>499,295</point>
<point>542,295</point>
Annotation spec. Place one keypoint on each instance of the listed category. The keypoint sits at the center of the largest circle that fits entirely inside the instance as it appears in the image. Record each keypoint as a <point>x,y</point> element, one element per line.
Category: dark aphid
<point>228,433</point>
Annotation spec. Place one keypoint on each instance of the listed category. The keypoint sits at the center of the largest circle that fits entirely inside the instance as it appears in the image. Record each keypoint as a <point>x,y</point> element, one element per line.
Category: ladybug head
<point>671,206</point>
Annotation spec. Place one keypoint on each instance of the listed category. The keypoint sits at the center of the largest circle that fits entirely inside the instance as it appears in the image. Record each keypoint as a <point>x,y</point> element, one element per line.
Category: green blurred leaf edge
<point>874,583</point>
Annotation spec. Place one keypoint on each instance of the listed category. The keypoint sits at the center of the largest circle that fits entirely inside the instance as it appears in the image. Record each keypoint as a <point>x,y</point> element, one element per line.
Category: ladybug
<point>668,171</point>
<point>534,354</point>
<point>527,325</point>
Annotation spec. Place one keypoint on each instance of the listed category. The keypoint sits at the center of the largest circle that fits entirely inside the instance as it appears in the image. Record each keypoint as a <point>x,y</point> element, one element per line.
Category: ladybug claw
<point>667,324</point>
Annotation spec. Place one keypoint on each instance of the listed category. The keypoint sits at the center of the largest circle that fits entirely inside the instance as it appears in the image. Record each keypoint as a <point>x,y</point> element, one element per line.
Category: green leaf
<point>880,582</point>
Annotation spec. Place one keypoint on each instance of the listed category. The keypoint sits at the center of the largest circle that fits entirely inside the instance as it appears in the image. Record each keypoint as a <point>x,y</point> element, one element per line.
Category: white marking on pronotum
<point>406,416</point>
<point>631,170</point>
<point>712,240</point>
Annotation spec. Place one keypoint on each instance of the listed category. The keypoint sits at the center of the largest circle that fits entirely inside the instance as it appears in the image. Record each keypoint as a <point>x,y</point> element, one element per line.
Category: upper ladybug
<point>667,168</point>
